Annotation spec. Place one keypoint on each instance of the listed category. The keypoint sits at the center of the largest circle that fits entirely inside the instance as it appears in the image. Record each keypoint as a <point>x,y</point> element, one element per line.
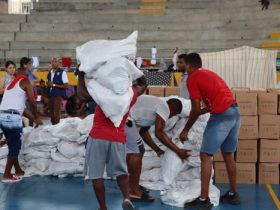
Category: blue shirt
<point>184,93</point>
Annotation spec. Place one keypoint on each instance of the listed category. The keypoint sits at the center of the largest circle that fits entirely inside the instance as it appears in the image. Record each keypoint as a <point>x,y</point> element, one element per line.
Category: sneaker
<point>230,199</point>
<point>198,204</point>
<point>14,179</point>
<point>127,205</point>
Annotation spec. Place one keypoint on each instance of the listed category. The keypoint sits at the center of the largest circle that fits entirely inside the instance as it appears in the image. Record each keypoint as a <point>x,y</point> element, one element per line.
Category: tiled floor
<point>49,193</point>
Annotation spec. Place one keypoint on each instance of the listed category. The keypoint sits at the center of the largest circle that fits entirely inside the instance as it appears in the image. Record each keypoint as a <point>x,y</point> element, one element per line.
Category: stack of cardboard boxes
<point>162,91</point>
<point>258,152</point>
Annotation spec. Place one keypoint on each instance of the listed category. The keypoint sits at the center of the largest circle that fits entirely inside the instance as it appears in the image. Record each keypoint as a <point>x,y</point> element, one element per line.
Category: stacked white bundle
<point>57,150</point>
<point>110,73</point>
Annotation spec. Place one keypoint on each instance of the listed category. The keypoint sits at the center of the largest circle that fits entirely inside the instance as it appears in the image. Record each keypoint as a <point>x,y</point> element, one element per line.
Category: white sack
<point>117,75</point>
<point>93,54</point>
<point>114,106</point>
<point>3,152</point>
<point>58,157</point>
<point>66,130</point>
<point>85,125</point>
<point>172,165</point>
<point>39,136</point>
<point>153,175</point>
<point>40,164</point>
<point>37,155</point>
<point>59,168</point>
<point>71,150</point>
<point>150,163</point>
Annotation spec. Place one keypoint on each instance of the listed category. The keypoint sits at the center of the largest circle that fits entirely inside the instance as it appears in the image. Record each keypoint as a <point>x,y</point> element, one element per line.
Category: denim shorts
<point>222,132</point>
<point>11,125</point>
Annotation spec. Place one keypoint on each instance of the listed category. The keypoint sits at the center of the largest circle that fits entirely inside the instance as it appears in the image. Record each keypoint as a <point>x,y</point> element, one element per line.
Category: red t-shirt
<point>104,129</point>
<point>212,89</point>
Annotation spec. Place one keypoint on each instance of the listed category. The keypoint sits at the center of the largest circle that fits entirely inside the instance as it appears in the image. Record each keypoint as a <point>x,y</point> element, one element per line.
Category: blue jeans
<point>11,124</point>
<point>222,132</point>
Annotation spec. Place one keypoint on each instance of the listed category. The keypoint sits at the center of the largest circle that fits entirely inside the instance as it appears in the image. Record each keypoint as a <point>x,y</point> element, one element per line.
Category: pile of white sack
<point>110,73</point>
<point>57,150</point>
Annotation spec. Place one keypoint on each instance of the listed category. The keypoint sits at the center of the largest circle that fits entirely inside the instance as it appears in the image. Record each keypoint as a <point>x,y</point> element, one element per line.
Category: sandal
<point>13,179</point>
<point>144,198</point>
<point>144,189</point>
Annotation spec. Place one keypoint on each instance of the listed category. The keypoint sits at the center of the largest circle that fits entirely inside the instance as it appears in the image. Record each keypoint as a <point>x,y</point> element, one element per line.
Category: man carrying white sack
<point>222,129</point>
<point>151,110</point>
<point>106,148</point>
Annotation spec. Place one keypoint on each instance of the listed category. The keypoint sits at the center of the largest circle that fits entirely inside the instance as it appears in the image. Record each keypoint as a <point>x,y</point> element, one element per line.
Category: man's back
<point>208,86</point>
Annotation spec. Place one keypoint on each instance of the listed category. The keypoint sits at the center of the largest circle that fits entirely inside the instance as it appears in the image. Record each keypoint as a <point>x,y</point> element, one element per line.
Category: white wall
<point>19,6</point>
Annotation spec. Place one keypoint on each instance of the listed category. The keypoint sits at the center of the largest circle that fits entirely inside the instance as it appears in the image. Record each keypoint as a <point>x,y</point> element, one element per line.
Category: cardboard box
<point>267,103</point>
<point>247,151</point>
<point>268,173</point>
<point>273,90</point>
<point>269,126</point>
<point>247,103</point>
<point>218,157</point>
<point>269,151</point>
<point>258,91</point>
<point>156,91</point>
<point>249,128</point>
<point>220,173</point>
<point>246,173</point>
<point>172,91</point>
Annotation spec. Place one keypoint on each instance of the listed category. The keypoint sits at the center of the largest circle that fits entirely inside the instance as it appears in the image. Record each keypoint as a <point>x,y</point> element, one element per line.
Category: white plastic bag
<point>117,75</point>
<point>94,54</point>
<point>66,130</point>
<point>39,136</point>
<point>3,152</point>
<point>85,125</point>
<point>114,106</point>
<point>40,164</point>
<point>59,168</point>
<point>71,150</point>
<point>172,165</point>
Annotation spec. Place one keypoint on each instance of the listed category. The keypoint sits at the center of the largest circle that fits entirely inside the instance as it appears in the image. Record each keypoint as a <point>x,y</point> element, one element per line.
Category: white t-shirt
<point>144,112</point>
<point>64,77</point>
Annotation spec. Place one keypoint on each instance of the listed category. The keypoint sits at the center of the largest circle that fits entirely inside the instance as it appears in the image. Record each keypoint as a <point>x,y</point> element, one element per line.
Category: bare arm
<point>144,133</point>
<point>27,87</point>
<point>2,82</point>
<point>162,136</point>
<point>82,91</point>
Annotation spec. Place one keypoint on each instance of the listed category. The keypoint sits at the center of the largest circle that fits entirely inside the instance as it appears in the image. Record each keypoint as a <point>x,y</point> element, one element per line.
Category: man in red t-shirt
<point>222,129</point>
<point>106,147</point>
